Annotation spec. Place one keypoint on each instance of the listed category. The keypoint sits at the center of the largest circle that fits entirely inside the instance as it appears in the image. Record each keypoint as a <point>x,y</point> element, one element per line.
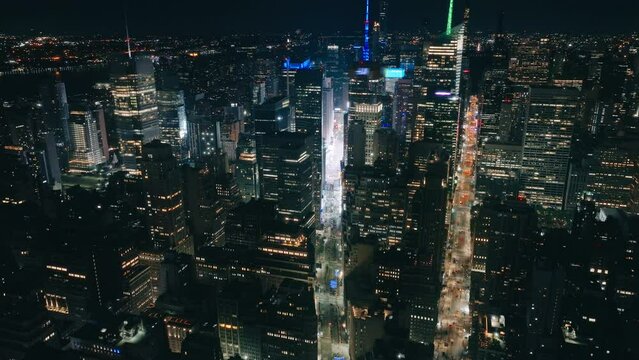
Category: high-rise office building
<point>547,145</point>
<point>272,116</point>
<point>247,223</point>
<point>503,238</point>
<point>356,144</point>
<point>383,21</point>
<point>530,60</point>
<point>70,288</point>
<point>296,185</point>
<point>246,169</point>
<point>437,120</point>
<point>135,109</point>
<point>308,120</point>
<point>286,175</point>
<point>385,146</point>
<point>498,170</point>
<point>164,199</point>
<point>55,107</point>
<point>86,153</point>
<point>371,117</point>
<point>165,212</point>
<point>366,85</point>
<point>442,68</point>
<point>285,251</point>
<point>610,176</point>
<point>238,320</point>
<point>404,112</point>
<point>513,115</point>
<point>289,323</point>
<point>172,115</point>
<point>493,90</point>
<point>204,208</point>
<point>375,205</point>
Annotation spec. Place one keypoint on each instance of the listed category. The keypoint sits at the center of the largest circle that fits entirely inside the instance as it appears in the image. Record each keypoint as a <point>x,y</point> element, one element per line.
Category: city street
<point>454,321</point>
<point>329,294</point>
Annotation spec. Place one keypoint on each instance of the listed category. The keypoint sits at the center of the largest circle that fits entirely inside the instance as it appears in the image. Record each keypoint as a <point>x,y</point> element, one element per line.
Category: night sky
<point>211,17</point>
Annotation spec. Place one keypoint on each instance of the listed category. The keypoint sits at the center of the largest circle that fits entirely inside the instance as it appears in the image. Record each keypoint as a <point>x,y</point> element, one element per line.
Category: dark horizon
<point>202,18</point>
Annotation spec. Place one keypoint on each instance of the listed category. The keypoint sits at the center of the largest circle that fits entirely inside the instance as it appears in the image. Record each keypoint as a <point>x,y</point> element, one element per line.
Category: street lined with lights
<point>329,288</point>
<point>454,321</point>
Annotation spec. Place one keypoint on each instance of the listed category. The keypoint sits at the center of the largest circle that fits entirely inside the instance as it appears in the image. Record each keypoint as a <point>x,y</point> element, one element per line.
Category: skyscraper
<point>308,120</point>
<point>355,144</point>
<point>610,176</point>
<point>246,169</point>
<point>502,235</point>
<point>164,199</point>
<point>371,117</point>
<point>286,175</point>
<point>272,116</point>
<point>172,115</point>
<point>404,112</point>
<point>443,63</point>
<point>86,152</point>
<point>289,323</point>
<point>547,145</point>
<point>375,205</point>
<point>437,121</point>
<point>238,320</point>
<point>135,109</point>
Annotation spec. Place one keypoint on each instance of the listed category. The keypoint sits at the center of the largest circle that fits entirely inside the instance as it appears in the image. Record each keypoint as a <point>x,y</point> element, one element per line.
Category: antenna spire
<point>128,39</point>
<point>366,53</point>
<point>449,23</point>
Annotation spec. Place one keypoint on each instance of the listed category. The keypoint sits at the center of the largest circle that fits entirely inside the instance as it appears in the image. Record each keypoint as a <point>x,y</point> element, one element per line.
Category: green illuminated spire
<point>449,24</point>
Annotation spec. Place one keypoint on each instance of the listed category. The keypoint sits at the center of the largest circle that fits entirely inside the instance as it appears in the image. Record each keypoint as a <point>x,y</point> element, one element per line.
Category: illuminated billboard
<point>394,73</point>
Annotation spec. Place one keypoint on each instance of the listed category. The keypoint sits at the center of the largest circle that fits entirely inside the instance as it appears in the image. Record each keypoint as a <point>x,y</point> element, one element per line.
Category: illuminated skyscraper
<point>285,252</point>
<point>404,112</point>
<point>437,121</point>
<point>246,169</point>
<point>530,60</point>
<point>286,175</point>
<point>547,145</point>
<point>308,120</point>
<point>610,178</point>
<point>173,125</point>
<point>135,109</point>
<point>86,152</point>
<point>443,63</point>
<point>499,170</point>
<point>438,83</point>
<point>164,199</point>
<point>371,117</point>
<point>375,205</point>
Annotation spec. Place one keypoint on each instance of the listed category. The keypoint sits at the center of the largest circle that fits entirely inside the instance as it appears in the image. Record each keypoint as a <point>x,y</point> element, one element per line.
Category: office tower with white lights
<point>135,109</point>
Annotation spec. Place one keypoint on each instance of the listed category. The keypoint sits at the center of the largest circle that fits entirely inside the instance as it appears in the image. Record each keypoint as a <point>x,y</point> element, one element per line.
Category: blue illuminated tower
<point>366,52</point>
